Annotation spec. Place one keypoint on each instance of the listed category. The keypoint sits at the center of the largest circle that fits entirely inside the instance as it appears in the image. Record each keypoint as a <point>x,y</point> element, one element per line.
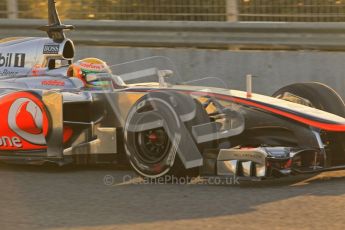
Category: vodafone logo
<point>53,83</point>
<point>92,66</point>
<point>25,118</point>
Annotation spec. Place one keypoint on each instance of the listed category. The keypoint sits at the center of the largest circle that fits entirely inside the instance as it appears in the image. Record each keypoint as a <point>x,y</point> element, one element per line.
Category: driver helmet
<point>88,70</point>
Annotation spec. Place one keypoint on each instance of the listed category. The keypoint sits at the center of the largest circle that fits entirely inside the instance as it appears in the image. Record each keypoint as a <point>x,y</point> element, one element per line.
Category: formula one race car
<point>161,126</point>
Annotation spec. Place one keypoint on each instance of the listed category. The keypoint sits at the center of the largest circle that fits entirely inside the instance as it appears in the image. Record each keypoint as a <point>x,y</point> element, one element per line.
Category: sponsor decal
<point>23,121</point>
<point>92,66</point>
<point>8,73</point>
<point>6,141</point>
<point>53,83</point>
<point>25,118</point>
<point>12,60</point>
<point>51,49</point>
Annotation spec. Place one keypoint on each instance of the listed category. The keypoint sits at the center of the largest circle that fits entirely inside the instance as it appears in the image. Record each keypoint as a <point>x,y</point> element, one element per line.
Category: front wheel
<point>153,130</point>
<point>319,96</point>
<point>313,94</point>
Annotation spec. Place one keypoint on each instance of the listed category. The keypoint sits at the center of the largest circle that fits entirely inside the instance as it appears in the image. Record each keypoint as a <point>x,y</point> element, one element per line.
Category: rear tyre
<point>313,94</point>
<point>151,152</point>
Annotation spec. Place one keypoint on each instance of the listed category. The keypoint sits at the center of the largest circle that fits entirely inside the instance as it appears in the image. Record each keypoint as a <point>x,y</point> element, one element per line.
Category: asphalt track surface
<point>107,198</point>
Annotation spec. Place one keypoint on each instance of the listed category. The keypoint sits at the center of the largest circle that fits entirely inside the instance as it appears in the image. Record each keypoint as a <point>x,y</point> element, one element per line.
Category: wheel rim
<point>153,145</point>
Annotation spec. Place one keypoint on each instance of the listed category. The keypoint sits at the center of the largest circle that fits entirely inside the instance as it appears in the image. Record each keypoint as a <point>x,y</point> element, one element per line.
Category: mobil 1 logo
<point>51,49</point>
<point>12,60</point>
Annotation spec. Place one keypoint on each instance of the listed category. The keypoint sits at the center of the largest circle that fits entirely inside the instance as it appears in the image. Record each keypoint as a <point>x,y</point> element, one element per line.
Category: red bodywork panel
<point>23,121</point>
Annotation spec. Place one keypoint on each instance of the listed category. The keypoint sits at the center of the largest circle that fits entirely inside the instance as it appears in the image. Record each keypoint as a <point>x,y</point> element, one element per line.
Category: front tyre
<point>313,94</point>
<point>152,133</point>
<point>319,96</point>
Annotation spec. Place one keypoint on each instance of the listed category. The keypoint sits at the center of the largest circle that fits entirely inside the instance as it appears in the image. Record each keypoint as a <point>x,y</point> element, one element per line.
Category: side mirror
<point>51,64</point>
<point>162,74</point>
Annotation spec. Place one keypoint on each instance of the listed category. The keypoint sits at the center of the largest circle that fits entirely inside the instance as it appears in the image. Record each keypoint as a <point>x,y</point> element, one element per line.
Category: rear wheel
<point>152,152</point>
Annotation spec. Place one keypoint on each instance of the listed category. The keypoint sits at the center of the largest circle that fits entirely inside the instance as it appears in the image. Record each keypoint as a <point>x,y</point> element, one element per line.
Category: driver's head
<point>86,68</point>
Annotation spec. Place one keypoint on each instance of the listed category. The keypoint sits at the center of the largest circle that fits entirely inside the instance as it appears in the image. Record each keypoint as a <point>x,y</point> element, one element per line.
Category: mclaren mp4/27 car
<point>156,123</point>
